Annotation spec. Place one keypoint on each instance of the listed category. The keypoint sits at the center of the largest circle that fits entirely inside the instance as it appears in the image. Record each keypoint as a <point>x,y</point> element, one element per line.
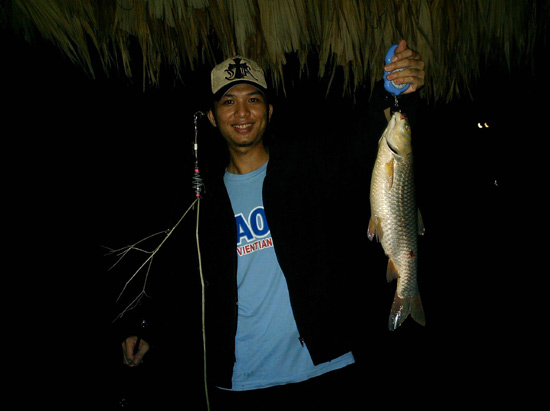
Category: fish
<point>395,219</point>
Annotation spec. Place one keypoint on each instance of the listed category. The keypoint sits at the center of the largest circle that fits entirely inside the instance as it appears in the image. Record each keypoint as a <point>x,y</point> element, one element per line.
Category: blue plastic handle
<point>389,85</point>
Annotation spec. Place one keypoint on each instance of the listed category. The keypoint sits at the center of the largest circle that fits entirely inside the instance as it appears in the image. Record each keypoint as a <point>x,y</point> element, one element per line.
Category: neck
<point>244,160</point>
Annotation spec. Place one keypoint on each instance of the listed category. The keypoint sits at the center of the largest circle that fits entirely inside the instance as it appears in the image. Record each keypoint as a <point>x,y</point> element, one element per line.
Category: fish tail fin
<point>417,311</point>
<point>402,307</point>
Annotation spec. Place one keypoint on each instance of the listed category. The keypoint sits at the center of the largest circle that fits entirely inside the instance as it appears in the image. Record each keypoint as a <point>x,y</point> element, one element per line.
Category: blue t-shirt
<point>268,349</point>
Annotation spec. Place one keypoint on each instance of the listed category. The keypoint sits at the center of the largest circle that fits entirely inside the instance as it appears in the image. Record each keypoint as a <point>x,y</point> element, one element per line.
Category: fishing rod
<point>197,182</point>
<point>198,186</point>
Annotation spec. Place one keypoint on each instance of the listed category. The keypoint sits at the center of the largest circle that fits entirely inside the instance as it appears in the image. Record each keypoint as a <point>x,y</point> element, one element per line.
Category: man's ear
<point>269,112</point>
<point>212,118</point>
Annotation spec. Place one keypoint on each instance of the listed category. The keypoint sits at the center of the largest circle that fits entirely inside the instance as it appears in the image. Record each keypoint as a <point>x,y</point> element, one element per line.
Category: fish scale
<point>395,220</point>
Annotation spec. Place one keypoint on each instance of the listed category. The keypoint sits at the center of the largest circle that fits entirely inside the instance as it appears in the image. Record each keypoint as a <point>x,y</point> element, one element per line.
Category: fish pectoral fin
<point>392,273</point>
<point>375,229</point>
<point>389,173</point>
<point>371,231</point>
<point>421,229</point>
<point>402,307</point>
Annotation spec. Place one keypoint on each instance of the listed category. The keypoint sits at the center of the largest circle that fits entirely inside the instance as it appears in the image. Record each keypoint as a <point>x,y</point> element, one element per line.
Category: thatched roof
<point>455,37</point>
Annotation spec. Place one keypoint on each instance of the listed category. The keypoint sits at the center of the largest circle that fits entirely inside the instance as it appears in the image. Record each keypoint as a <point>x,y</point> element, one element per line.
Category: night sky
<point>100,162</point>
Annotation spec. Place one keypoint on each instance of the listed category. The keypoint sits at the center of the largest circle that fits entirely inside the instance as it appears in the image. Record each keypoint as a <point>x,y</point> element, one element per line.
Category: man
<point>279,328</point>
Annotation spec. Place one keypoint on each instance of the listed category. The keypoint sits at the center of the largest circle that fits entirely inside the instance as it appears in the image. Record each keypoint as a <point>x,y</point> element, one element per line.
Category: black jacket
<point>316,203</point>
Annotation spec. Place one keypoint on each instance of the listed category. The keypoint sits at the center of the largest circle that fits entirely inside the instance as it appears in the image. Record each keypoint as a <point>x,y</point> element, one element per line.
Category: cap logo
<point>238,70</point>
<point>234,70</point>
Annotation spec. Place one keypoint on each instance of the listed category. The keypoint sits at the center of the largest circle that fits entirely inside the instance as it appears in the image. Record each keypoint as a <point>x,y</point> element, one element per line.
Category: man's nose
<point>242,110</point>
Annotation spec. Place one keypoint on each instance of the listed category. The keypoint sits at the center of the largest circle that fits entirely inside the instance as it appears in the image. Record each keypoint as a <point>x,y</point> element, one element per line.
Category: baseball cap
<point>236,70</point>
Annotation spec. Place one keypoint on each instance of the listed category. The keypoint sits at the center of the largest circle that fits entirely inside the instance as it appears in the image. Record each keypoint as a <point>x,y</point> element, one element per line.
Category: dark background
<point>98,162</point>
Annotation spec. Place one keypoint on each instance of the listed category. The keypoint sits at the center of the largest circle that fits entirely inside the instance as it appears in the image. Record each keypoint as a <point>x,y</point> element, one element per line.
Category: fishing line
<point>198,186</point>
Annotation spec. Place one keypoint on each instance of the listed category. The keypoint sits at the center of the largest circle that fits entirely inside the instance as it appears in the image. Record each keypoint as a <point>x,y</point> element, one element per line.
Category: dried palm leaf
<point>455,38</point>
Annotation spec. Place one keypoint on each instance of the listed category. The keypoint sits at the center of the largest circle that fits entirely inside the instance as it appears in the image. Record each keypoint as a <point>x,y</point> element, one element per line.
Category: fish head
<point>398,135</point>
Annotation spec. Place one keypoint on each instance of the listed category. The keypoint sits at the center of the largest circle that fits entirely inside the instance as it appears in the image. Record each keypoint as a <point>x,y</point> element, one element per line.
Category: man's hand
<point>413,65</point>
<point>128,349</point>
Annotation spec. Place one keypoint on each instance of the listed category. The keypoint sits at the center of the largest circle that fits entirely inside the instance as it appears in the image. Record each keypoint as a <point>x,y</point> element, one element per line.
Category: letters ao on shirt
<point>252,230</point>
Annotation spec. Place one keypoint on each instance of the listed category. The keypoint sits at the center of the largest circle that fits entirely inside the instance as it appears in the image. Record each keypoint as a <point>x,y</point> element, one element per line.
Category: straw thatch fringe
<point>454,37</point>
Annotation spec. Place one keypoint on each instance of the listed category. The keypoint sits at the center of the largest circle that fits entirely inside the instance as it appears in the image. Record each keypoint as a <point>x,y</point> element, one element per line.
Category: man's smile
<point>243,126</point>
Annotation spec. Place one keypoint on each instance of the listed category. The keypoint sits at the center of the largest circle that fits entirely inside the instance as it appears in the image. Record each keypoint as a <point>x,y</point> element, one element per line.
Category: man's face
<point>241,115</point>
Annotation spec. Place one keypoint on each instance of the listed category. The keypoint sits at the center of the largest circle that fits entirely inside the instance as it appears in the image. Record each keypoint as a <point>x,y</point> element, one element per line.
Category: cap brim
<point>219,94</point>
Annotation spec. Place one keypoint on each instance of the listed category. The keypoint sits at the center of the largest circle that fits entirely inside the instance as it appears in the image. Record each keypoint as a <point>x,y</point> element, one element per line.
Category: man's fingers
<point>142,350</point>
<point>414,77</point>
<point>412,61</point>
<point>401,47</point>
<point>408,55</point>
<point>128,349</point>
<point>410,66</point>
<point>407,75</point>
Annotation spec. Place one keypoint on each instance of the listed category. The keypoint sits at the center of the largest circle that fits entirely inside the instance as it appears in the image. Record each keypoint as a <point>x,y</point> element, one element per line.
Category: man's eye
<point>227,102</point>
